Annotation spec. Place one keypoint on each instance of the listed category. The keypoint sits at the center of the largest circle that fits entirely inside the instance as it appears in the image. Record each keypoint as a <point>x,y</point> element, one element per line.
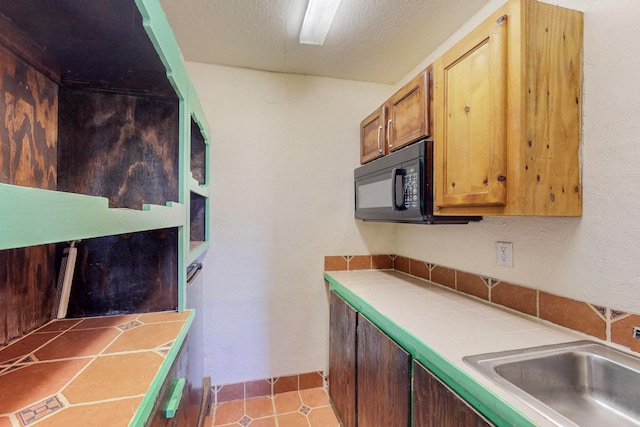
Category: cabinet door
<point>470,88</point>
<point>436,405</point>
<point>408,113</point>
<point>372,136</point>
<point>383,379</point>
<point>342,359</point>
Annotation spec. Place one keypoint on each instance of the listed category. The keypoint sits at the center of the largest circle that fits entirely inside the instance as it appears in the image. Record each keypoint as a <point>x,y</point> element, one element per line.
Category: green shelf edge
<point>202,190</point>
<point>32,216</point>
<point>161,35</point>
<point>197,113</point>
<point>146,406</point>
<point>195,253</point>
<point>485,401</point>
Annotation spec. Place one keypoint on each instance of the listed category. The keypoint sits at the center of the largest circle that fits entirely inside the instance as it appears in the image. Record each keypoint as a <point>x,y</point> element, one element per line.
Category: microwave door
<point>375,197</point>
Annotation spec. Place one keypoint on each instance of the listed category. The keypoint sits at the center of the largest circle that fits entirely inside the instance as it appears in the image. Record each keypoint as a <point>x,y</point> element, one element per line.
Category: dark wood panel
<point>198,218</point>
<point>118,146</point>
<point>29,125</point>
<point>198,154</point>
<point>133,273</point>
<point>436,405</point>
<point>28,157</point>
<point>383,378</point>
<point>27,289</point>
<point>22,45</point>
<point>342,359</point>
<point>100,44</point>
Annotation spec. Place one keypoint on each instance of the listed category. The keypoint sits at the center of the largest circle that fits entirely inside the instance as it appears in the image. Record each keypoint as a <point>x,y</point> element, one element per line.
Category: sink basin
<point>580,383</point>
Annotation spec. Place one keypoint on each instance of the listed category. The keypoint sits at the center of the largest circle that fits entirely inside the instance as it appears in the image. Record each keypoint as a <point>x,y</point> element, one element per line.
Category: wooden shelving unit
<point>135,83</point>
<point>103,142</point>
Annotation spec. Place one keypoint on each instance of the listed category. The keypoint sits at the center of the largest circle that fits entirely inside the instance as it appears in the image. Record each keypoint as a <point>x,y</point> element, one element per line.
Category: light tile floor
<point>304,408</point>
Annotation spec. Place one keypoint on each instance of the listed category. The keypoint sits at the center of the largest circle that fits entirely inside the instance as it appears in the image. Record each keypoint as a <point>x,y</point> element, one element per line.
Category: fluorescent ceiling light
<point>317,21</point>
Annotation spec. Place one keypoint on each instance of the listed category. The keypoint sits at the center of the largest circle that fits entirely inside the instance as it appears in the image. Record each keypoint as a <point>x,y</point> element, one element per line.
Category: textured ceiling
<point>370,40</point>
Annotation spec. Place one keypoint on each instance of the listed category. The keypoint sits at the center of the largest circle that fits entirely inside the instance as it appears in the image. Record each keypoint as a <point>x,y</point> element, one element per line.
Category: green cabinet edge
<point>148,402</point>
<point>478,396</point>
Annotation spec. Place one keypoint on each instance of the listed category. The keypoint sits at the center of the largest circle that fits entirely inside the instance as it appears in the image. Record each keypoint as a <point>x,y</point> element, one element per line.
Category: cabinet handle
<point>389,133</point>
<point>173,403</point>
<point>379,147</point>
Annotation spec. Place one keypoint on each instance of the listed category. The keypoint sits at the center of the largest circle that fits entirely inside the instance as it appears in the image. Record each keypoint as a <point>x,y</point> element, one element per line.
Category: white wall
<point>284,149</point>
<point>283,152</point>
<point>594,258</point>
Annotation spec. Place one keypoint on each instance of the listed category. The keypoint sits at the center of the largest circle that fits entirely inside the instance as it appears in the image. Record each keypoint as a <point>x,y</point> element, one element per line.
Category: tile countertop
<point>90,371</point>
<point>439,326</point>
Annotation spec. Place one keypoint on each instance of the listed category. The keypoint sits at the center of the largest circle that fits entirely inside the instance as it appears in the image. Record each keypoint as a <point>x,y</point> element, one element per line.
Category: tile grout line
<point>58,394</point>
<point>275,412</point>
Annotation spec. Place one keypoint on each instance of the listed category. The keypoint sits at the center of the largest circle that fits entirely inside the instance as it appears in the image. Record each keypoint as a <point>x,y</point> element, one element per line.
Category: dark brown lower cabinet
<point>370,379</point>
<point>181,415</point>
<point>384,378</point>
<point>436,405</point>
<point>342,359</point>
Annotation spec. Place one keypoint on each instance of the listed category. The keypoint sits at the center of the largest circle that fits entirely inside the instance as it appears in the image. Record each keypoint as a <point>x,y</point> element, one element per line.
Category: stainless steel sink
<point>580,383</point>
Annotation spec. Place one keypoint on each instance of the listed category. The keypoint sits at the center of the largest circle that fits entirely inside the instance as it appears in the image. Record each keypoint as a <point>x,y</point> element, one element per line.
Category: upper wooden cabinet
<point>507,113</point>
<point>402,119</point>
<point>408,109</point>
<point>372,139</point>
<point>471,125</point>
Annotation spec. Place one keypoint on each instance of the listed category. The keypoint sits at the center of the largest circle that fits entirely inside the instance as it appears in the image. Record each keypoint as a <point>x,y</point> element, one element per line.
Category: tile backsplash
<point>605,323</point>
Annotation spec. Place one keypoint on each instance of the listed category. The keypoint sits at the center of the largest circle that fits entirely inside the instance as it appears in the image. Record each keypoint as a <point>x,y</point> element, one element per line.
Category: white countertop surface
<point>454,324</point>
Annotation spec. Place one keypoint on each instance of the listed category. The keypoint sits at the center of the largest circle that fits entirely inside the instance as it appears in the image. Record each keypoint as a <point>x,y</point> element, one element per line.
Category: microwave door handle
<point>397,190</point>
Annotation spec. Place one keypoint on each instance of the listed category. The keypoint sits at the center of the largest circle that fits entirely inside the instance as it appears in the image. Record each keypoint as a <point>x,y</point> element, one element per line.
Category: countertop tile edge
<point>146,406</point>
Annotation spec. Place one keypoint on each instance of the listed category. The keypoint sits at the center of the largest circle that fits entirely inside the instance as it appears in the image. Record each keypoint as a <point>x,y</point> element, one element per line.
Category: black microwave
<point>399,188</point>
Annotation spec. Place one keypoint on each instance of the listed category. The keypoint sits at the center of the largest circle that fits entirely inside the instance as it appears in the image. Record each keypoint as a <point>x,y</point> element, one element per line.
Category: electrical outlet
<point>505,254</point>
<point>636,333</point>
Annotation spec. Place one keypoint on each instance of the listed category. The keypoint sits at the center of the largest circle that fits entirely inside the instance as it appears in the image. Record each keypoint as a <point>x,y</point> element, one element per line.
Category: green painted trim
<point>184,165</point>
<point>162,37</point>
<point>32,216</point>
<point>484,400</point>
<point>183,252</point>
<point>195,253</point>
<point>148,402</point>
<point>198,113</point>
<point>173,404</point>
<point>207,228</point>
<point>202,190</point>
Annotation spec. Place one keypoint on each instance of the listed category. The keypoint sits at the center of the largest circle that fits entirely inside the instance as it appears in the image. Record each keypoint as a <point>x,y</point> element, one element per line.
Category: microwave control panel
<point>410,185</point>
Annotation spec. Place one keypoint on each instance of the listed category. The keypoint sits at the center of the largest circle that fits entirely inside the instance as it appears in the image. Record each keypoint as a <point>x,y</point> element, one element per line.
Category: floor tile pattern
<point>303,408</point>
<point>266,387</point>
<point>81,372</point>
<point>40,410</point>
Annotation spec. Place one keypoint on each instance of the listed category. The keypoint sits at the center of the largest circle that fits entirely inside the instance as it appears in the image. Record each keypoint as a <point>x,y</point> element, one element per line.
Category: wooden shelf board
<point>31,216</point>
<point>202,190</point>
